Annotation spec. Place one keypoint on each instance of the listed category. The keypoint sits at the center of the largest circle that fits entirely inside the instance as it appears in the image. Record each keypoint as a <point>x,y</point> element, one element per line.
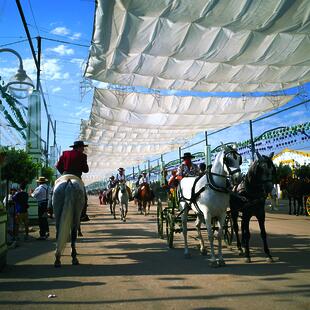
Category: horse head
<point>232,161</point>
<point>122,187</point>
<point>262,173</point>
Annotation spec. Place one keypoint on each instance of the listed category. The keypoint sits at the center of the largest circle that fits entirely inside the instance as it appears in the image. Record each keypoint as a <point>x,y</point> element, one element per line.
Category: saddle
<point>66,177</point>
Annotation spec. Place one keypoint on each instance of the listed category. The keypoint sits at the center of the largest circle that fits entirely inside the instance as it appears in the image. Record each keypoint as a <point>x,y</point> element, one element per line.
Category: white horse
<point>68,201</point>
<point>123,199</point>
<point>208,196</point>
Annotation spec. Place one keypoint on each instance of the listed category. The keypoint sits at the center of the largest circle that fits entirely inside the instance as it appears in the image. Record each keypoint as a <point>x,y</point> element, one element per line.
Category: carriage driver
<point>187,168</point>
<point>120,177</point>
<point>75,162</point>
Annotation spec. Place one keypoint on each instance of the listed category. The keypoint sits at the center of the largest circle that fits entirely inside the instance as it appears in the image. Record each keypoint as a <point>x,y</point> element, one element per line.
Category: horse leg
<point>80,231</point>
<point>295,209</point>
<point>149,207</point>
<point>57,262</point>
<point>202,248</point>
<point>125,212</point>
<point>111,206</point>
<point>263,234</point>
<point>144,207</point>
<point>290,205</point>
<point>212,262</point>
<point>75,261</point>
<point>221,222</point>
<point>113,209</point>
<point>246,237</point>
<point>234,217</point>
<point>184,230</point>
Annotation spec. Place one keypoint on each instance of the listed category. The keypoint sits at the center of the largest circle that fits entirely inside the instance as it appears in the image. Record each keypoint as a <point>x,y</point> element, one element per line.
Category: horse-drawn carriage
<point>169,221</point>
<point>217,206</point>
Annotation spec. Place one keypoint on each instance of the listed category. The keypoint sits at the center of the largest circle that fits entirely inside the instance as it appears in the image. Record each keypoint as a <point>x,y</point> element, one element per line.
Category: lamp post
<point>20,84</point>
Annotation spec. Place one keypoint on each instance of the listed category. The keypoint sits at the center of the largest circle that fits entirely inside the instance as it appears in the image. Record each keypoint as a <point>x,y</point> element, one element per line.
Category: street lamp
<point>20,85</point>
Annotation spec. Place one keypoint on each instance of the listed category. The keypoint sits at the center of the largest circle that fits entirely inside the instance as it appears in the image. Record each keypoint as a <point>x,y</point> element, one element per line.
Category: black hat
<point>187,155</point>
<point>121,169</point>
<point>78,144</point>
<point>112,177</point>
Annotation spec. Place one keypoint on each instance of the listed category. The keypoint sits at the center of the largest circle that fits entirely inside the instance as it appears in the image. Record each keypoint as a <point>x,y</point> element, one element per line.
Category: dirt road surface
<point>126,266</point>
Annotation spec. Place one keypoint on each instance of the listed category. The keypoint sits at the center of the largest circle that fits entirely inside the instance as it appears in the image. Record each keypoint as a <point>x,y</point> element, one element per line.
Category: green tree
<point>283,172</point>
<point>303,172</point>
<point>48,173</point>
<point>18,167</point>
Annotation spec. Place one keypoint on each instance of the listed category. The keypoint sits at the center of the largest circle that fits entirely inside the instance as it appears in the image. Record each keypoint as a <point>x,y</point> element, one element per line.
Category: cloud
<point>83,111</point>
<point>78,61</point>
<point>61,50</point>
<point>51,69</point>
<point>63,31</point>
<point>56,89</point>
<point>76,36</point>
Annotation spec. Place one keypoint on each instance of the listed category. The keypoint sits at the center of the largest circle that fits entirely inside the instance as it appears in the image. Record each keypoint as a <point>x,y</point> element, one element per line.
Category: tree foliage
<point>283,172</point>
<point>303,172</point>
<point>48,173</point>
<point>18,166</point>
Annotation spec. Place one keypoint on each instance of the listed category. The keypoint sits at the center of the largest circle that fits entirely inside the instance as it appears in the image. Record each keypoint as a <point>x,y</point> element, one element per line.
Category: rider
<point>144,180</point>
<point>75,162</point>
<point>187,168</point>
<point>120,177</point>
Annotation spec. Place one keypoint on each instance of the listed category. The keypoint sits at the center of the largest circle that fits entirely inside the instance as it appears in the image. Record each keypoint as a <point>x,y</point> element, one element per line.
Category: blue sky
<point>62,69</point>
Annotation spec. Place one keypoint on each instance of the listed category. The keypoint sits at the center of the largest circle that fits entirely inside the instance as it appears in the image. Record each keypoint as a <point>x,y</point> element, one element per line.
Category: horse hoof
<point>240,252</point>
<point>204,252</point>
<point>187,255</point>
<point>221,263</point>
<point>247,260</point>
<point>75,261</point>
<point>269,260</point>
<point>213,264</point>
<point>57,263</point>
<point>80,234</point>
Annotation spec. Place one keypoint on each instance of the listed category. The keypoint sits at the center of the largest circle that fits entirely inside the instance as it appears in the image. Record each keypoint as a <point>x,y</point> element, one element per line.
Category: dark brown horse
<point>296,190</point>
<point>145,198</point>
<point>250,199</point>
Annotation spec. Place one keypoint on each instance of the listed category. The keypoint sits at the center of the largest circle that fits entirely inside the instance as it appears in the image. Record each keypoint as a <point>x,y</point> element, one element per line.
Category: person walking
<point>21,209</point>
<point>41,194</point>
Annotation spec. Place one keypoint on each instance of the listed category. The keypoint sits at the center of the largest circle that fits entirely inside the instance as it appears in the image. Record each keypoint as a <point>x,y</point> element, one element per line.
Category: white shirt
<point>143,180</point>
<point>41,193</point>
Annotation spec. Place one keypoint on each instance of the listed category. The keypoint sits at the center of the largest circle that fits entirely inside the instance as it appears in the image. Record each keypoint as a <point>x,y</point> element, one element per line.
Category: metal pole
<point>133,173</point>
<point>47,142</point>
<point>149,169</point>
<point>39,61</point>
<point>252,140</point>
<point>207,151</point>
<point>54,133</point>
<point>180,155</point>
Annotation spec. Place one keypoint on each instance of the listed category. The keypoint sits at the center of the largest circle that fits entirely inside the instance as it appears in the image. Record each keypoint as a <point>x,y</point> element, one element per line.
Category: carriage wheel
<point>170,229</point>
<point>228,230</point>
<point>160,220</point>
<point>308,205</point>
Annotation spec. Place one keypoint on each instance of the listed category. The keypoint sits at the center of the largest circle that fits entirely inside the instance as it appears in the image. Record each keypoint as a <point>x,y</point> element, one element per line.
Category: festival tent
<point>123,130</point>
<point>202,45</point>
<point>206,45</point>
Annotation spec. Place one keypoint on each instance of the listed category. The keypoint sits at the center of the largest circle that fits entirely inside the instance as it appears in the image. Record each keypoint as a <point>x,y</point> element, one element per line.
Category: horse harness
<point>210,183</point>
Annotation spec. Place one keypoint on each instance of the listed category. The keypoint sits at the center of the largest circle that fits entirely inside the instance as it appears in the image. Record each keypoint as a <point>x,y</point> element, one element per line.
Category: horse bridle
<point>226,161</point>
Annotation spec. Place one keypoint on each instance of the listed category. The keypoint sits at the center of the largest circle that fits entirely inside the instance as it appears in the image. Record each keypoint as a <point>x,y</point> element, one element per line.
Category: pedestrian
<point>9,204</point>
<point>41,194</point>
<point>21,210</point>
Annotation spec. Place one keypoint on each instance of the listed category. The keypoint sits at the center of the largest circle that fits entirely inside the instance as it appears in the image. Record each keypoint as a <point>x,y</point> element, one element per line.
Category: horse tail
<point>66,219</point>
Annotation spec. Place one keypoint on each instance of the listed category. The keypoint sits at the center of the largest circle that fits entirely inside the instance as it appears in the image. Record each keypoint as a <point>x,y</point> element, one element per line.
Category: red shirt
<point>73,162</point>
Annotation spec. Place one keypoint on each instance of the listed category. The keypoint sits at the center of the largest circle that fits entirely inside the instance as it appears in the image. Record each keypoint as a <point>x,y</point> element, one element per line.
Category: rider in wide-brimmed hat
<point>120,177</point>
<point>187,168</point>
<point>75,162</point>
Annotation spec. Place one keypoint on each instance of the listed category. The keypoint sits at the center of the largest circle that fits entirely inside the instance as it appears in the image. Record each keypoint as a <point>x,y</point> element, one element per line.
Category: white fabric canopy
<point>126,128</point>
<point>201,45</point>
